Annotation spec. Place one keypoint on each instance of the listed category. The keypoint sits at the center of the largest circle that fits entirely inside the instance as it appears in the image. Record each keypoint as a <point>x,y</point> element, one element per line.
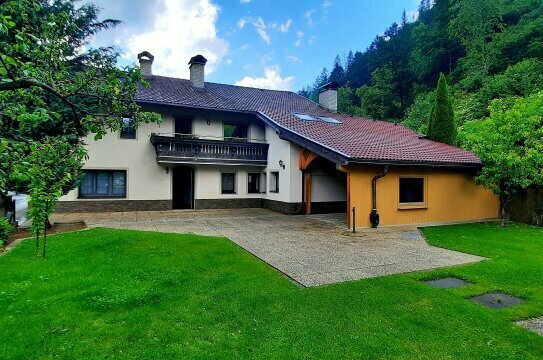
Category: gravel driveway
<point>312,250</point>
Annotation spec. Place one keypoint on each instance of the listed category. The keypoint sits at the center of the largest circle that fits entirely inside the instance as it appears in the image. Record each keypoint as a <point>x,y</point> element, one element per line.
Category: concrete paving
<point>312,250</point>
<point>535,325</point>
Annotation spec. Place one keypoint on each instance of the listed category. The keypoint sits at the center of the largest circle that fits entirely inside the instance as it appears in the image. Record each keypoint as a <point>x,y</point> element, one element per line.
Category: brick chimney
<point>328,96</point>
<point>146,63</point>
<point>197,71</point>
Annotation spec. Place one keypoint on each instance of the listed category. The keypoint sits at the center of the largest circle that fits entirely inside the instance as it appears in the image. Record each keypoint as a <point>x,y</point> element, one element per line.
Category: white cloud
<point>229,61</point>
<point>326,3</point>
<point>271,80</point>
<point>244,47</point>
<point>261,27</point>
<point>294,59</point>
<point>300,38</point>
<point>311,40</point>
<point>182,29</point>
<point>241,23</point>
<point>308,15</point>
<point>412,15</point>
<point>284,27</point>
<point>244,1</point>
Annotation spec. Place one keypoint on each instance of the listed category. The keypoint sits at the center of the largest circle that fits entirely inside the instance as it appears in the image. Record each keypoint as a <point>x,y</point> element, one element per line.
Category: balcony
<point>193,149</point>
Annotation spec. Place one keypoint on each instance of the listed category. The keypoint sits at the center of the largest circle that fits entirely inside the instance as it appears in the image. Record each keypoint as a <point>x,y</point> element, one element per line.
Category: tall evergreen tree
<point>404,20</point>
<point>442,126</point>
<point>338,73</point>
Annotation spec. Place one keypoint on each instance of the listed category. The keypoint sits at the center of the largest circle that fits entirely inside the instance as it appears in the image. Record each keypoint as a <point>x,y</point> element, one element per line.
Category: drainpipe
<point>374,216</point>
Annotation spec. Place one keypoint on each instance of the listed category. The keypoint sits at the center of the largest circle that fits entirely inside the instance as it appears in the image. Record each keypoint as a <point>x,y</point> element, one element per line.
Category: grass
<point>106,293</point>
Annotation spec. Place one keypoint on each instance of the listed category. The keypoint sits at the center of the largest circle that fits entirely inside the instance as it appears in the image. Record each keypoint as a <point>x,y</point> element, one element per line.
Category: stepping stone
<point>535,325</point>
<point>447,283</point>
<point>496,300</point>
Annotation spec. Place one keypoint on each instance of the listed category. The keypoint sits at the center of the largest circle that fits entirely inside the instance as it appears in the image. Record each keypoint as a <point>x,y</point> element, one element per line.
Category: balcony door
<point>183,187</point>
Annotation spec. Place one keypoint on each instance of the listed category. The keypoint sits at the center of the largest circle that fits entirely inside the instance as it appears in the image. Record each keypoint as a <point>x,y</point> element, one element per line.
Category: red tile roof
<point>356,138</point>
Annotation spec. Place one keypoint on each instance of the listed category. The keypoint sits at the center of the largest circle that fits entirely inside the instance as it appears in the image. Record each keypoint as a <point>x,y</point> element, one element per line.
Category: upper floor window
<point>235,132</point>
<point>103,183</point>
<point>412,190</point>
<point>128,131</point>
<point>228,183</point>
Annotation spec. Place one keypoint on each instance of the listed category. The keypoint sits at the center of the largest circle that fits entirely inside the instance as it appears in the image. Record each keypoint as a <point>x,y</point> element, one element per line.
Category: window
<point>412,190</point>
<point>329,120</point>
<point>228,183</point>
<point>253,183</point>
<point>103,183</point>
<point>263,183</point>
<point>274,181</point>
<point>235,132</point>
<point>304,117</point>
<point>128,131</point>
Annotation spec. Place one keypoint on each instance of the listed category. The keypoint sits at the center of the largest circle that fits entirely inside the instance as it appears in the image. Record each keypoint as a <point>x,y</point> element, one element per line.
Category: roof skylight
<point>304,117</point>
<point>329,120</point>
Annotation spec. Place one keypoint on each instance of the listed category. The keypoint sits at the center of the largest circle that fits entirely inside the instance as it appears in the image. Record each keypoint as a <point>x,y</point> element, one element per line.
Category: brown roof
<point>356,139</point>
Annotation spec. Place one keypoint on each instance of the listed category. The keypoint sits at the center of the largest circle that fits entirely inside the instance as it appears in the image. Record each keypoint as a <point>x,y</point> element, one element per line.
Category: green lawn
<point>126,294</point>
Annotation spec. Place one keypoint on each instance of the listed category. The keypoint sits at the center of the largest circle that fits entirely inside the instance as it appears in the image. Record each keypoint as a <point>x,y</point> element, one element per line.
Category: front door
<point>183,187</point>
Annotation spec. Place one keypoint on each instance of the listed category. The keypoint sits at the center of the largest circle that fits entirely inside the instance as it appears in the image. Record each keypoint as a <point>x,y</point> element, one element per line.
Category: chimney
<point>328,96</point>
<point>197,64</point>
<point>146,63</point>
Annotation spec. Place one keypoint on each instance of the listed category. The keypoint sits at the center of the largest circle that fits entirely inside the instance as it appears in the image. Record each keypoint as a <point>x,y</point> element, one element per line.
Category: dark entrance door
<point>183,126</point>
<point>183,187</point>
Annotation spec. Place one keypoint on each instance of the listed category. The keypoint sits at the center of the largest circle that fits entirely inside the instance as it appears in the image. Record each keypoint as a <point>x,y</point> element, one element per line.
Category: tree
<point>442,126</point>
<point>510,145</point>
<point>404,19</point>
<point>379,101</point>
<point>54,92</point>
<point>337,74</point>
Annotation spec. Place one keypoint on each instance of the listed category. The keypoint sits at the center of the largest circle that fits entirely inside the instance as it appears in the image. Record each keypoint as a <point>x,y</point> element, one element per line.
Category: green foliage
<point>418,114</point>
<point>54,92</point>
<point>348,101</point>
<point>488,49</point>
<point>510,145</point>
<point>5,229</point>
<point>442,126</point>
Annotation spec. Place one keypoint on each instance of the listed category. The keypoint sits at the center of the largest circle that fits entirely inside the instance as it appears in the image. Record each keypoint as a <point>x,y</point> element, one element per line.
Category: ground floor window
<point>274,181</point>
<point>253,183</point>
<point>103,183</point>
<point>412,190</point>
<point>228,183</point>
<point>128,131</point>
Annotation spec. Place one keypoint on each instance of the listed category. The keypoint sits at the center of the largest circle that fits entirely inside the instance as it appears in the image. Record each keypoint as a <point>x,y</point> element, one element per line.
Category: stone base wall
<point>284,207</point>
<point>112,205</point>
<point>227,203</point>
<point>199,204</point>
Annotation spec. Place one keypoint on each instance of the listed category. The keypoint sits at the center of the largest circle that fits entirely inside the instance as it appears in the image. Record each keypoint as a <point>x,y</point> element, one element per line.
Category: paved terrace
<point>311,250</point>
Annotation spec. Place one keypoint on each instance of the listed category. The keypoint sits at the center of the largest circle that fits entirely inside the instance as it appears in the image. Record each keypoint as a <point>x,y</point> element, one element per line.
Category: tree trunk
<point>37,243</point>
<point>46,223</point>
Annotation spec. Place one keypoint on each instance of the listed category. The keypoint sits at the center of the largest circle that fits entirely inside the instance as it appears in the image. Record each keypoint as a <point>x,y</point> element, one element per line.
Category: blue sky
<point>264,43</point>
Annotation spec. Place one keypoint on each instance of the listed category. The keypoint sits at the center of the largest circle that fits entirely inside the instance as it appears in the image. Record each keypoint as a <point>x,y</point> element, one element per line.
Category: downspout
<point>374,216</point>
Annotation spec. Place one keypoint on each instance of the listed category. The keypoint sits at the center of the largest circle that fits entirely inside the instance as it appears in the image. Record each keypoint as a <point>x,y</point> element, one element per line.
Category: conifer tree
<point>442,126</point>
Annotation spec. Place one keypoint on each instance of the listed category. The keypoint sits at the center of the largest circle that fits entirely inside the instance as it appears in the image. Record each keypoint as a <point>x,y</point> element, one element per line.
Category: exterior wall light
<point>167,170</point>
<point>282,164</point>
<point>208,122</point>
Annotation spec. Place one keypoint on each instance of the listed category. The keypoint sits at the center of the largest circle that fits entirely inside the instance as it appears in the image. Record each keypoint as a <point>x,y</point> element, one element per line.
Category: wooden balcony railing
<point>193,150</point>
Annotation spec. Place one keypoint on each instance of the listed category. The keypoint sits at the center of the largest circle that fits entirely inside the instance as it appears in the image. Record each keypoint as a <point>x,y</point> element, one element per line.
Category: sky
<point>274,44</point>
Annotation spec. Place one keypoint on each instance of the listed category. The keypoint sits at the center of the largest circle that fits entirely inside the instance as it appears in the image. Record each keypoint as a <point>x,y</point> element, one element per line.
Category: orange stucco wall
<point>451,196</point>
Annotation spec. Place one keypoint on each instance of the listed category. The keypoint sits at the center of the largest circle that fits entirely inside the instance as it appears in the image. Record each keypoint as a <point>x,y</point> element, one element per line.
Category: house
<point>225,146</point>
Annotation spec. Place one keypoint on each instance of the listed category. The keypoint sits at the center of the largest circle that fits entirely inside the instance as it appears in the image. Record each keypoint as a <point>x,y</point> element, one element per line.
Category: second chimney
<point>146,63</point>
<point>197,65</point>
<point>328,96</point>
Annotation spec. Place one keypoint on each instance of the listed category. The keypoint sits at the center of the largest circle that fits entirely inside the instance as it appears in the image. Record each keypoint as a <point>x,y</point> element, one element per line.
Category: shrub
<point>537,217</point>
<point>5,229</point>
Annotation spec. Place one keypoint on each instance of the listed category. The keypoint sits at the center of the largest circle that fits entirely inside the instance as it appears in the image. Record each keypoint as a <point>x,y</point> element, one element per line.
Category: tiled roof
<point>356,138</point>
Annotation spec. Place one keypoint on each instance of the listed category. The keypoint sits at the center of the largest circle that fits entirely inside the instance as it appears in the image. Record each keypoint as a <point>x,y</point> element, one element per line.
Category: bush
<point>5,229</point>
<point>537,217</point>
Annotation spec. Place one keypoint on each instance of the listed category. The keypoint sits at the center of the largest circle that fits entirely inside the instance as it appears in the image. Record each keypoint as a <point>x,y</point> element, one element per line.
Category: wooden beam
<point>308,193</point>
<point>306,157</point>
<point>349,200</point>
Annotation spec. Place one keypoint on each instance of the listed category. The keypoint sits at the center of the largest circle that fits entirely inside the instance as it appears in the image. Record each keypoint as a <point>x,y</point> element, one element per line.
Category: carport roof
<point>353,140</point>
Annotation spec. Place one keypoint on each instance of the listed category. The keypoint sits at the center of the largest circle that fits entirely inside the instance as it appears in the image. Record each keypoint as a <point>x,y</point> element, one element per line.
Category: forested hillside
<point>487,49</point>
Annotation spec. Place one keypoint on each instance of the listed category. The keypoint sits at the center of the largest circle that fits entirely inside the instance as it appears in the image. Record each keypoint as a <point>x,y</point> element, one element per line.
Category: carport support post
<point>354,219</point>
